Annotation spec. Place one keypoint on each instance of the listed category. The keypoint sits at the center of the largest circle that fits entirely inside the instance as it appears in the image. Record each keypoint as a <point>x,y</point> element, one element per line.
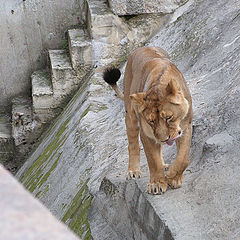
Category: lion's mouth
<point>171,141</point>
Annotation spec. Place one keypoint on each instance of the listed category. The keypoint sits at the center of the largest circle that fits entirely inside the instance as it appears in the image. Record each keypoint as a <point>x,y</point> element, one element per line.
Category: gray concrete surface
<point>28,29</point>
<point>23,217</point>
<point>135,7</point>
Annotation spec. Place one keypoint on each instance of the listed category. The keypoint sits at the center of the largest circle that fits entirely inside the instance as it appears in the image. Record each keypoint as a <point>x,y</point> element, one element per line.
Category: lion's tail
<point>111,75</point>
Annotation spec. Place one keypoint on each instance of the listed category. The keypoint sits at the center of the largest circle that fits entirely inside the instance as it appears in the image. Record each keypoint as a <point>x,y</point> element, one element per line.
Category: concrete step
<point>99,18</point>
<point>80,48</point>
<point>22,119</point>
<point>63,76</point>
<point>42,90</point>
<point>108,31</point>
<point>98,7</point>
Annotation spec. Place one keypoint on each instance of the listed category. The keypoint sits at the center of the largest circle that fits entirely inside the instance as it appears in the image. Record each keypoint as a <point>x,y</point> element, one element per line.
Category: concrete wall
<point>25,217</point>
<point>27,29</point>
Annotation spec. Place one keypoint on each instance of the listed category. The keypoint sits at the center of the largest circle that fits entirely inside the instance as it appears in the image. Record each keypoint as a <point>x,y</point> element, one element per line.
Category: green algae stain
<point>85,112</point>
<point>45,177</point>
<point>63,206</point>
<point>34,176</point>
<point>42,193</point>
<point>76,216</point>
<point>38,194</point>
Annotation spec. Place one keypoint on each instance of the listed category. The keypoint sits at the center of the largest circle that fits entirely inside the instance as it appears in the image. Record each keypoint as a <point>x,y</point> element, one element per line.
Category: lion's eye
<point>169,118</point>
<point>151,121</point>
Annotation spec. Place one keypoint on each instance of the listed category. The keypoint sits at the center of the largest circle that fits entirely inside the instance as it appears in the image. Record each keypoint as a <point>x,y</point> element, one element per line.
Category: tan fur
<point>158,105</point>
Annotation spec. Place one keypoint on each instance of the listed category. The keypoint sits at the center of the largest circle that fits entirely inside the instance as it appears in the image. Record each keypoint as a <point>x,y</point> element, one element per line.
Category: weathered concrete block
<point>42,91</point>
<point>62,73</point>
<point>108,31</point>
<point>101,21</point>
<point>80,48</point>
<point>135,7</point>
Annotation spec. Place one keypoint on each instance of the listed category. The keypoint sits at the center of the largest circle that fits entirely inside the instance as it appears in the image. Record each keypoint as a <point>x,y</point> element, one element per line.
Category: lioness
<point>159,105</point>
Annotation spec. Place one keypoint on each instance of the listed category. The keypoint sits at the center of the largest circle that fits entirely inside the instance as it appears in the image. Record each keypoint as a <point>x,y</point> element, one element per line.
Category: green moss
<point>85,112</point>
<point>64,45</point>
<point>42,193</point>
<point>34,176</point>
<point>76,216</point>
<point>38,194</point>
<point>63,206</point>
<point>45,177</point>
<point>84,176</point>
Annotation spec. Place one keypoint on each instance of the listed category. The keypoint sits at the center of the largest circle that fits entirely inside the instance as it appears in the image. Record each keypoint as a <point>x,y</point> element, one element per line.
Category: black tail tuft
<point>111,75</point>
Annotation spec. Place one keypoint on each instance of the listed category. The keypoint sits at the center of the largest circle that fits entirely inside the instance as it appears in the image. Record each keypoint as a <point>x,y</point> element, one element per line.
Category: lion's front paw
<point>133,174</point>
<point>157,188</point>
<point>176,181</point>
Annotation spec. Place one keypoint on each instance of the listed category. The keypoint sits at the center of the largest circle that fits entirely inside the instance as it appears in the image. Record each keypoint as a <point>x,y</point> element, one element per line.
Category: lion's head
<point>161,110</point>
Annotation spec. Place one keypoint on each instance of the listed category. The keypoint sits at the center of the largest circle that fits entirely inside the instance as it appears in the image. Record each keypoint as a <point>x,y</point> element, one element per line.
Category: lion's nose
<point>179,132</point>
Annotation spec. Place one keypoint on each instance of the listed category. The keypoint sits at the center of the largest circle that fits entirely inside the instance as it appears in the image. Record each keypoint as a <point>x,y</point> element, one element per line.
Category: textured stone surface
<point>80,48</point>
<point>135,7</point>
<point>126,212</point>
<point>114,37</point>
<point>65,176</point>
<point>23,217</point>
<point>41,83</point>
<point>109,32</point>
<point>64,78</point>
<point>42,90</point>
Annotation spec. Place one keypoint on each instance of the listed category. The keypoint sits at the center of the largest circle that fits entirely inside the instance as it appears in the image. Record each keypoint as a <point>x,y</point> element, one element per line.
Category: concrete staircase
<point>106,39</point>
<point>67,69</point>
<point>52,88</point>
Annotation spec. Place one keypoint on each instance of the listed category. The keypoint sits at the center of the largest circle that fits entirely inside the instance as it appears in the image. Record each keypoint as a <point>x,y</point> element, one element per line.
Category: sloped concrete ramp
<point>82,160</point>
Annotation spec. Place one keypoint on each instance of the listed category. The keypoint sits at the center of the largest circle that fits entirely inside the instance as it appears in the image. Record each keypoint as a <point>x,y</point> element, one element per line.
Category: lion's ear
<point>174,92</point>
<point>173,87</point>
<point>138,99</point>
